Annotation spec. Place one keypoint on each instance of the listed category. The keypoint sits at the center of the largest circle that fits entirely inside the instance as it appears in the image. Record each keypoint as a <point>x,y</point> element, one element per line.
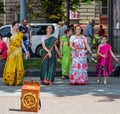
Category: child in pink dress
<point>104,65</point>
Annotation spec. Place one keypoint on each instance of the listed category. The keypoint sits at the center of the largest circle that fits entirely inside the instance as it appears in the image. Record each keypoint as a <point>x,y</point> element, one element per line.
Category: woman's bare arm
<point>45,48</point>
<point>111,52</point>
<point>71,46</point>
<point>8,43</point>
<point>61,45</point>
<point>23,46</point>
<point>88,48</point>
<point>56,49</point>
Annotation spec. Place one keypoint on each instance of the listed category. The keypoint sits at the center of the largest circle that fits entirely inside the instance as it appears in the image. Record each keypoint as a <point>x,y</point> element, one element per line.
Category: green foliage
<point>32,64</point>
<point>53,10</point>
<point>1,7</point>
<point>87,1</point>
<point>35,64</point>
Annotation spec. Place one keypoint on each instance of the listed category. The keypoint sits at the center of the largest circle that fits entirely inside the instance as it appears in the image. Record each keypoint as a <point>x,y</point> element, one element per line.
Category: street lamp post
<point>23,7</point>
<point>4,13</point>
<point>68,12</point>
<point>110,21</point>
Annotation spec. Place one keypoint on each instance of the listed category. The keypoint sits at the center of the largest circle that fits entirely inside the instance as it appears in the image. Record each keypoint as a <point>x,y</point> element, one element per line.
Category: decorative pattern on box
<point>30,96</point>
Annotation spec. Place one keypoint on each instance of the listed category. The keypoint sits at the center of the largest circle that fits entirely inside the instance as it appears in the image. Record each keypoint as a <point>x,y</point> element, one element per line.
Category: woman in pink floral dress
<point>78,71</point>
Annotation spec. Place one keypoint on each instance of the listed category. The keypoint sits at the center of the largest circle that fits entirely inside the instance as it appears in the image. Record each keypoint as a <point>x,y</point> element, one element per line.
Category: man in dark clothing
<point>26,36</point>
<point>89,32</point>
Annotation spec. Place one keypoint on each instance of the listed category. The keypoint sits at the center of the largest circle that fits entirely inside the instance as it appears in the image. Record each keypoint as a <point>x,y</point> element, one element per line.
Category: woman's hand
<point>60,56</point>
<point>104,56</point>
<point>94,55</point>
<point>49,54</point>
<point>8,51</point>
<point>116,59</point>
<point>27,54</point>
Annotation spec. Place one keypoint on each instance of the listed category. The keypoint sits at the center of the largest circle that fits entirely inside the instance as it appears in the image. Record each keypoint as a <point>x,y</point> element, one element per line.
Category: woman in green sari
<point>65,52</point>
<point>49,57</point>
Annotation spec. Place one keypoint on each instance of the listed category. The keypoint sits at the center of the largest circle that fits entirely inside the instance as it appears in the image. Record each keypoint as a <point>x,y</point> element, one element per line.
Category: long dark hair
<point>14,22</point>
<point>67,30</point>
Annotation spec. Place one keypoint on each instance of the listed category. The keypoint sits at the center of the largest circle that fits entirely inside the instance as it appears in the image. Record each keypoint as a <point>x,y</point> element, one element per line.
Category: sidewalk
<point>62,98</point>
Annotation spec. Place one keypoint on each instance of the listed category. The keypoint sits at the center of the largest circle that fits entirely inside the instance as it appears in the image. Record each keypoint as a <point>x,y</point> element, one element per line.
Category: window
<point>104,7</point>
<point>104,12</point>
<point>40,29</point>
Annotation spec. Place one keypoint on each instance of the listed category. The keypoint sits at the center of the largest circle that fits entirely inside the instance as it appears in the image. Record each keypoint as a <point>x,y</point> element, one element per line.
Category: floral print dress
<point>78,71</point>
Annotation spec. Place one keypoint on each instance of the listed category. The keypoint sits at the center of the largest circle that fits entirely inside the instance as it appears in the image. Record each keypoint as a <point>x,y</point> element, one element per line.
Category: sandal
<point>99,81</point>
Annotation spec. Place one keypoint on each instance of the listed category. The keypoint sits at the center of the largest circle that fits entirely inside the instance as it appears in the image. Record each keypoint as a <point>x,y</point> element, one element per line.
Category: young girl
<point>104,65</point>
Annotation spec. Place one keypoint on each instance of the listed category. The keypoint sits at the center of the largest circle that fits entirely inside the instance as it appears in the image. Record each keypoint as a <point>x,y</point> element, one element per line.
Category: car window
<point>40,29</point>
<point>5,31</point>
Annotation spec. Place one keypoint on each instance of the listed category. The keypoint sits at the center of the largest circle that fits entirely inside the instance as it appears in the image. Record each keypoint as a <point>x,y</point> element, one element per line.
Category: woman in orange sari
<point>14,69</point>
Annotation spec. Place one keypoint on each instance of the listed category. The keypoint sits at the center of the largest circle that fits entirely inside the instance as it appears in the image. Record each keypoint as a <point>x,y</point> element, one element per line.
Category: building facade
<point>108,14</point>
<point>99,11</point>
<point>95,11</point>
<point>12,12</point>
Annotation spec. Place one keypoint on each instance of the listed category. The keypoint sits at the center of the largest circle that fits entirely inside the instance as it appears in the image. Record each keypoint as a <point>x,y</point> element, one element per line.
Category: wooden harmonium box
<point>30,96</point>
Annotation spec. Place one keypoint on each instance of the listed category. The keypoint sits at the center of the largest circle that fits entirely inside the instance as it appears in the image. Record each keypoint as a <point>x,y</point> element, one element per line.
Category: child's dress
<point>104,66</point>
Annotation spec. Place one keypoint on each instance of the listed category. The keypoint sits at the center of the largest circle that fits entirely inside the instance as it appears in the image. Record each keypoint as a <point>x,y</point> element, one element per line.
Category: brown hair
<point>67,30</point>
<point>80,28</point>
<point>14,23</point>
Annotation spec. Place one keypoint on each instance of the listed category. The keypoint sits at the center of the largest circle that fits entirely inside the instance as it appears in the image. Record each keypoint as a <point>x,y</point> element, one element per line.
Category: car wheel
<point>39,51</point>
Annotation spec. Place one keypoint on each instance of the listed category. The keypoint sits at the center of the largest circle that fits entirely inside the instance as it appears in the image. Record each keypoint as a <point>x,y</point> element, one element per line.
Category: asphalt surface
<point>62,98</point>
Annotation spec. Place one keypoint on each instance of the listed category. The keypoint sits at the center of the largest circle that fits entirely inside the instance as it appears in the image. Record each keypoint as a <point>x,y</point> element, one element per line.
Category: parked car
<point>38,30</point>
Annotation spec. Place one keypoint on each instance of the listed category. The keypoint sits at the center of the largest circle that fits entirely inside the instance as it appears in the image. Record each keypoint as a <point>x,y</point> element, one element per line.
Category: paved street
<point>63,98</point>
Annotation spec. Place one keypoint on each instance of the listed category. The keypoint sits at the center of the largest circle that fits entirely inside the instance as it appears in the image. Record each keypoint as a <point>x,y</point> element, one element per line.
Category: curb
<point>36,73</point>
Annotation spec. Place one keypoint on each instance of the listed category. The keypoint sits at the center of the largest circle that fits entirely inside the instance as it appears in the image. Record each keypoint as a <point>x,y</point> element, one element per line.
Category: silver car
<point>38,30</point>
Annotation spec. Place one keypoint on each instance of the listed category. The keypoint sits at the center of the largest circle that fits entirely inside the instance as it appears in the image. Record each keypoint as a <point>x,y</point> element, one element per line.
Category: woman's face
<point>16,26</point>
<point>69,32</point>
<point>104,40</point>
<point>49,29</point>
<point>77,30</point>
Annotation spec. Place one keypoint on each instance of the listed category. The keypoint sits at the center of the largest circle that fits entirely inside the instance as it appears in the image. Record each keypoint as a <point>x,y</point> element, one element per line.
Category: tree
<point>53,10</point>
<point>1,8</point>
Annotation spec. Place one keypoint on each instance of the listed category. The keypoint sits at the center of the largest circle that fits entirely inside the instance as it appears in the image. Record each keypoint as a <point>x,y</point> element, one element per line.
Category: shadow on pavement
<point>108,98</point>
<point>15,110</point>
<point>62,88</point>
